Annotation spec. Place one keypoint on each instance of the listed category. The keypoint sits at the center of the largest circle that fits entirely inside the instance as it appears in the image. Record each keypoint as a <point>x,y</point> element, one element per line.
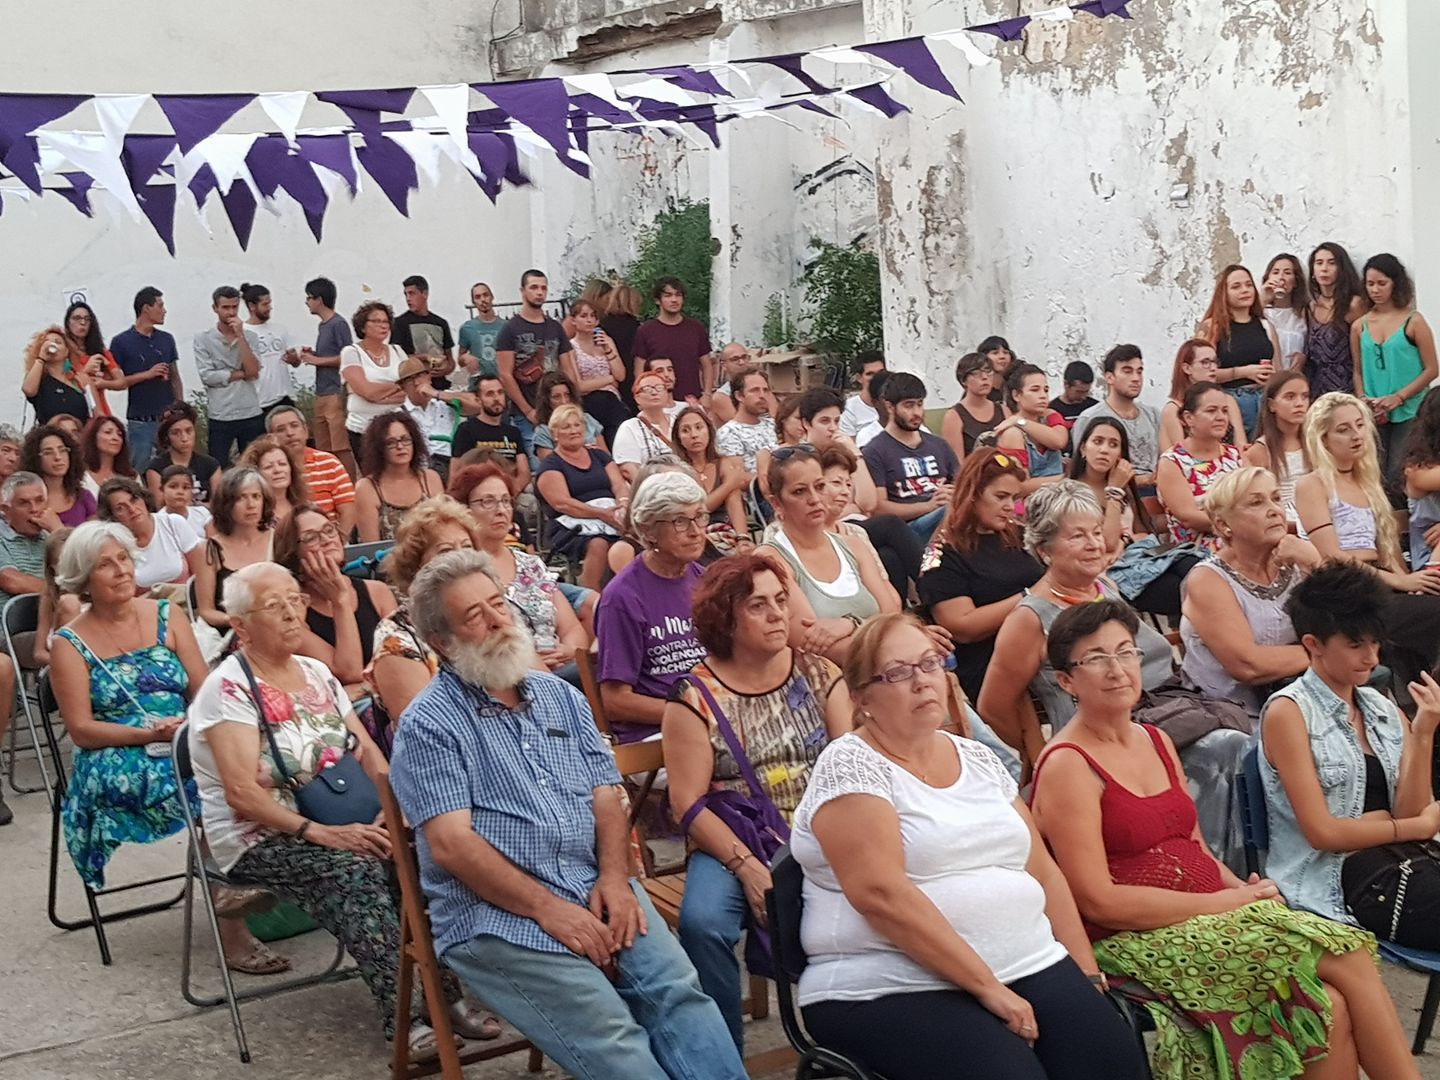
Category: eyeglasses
<point>785,453</point>
<point>490,503</point>
<point>295,603</point>
<point>1099,661</point>
<point>397,444</point>
<point>682,525</point>
<point>930,663</point>
<point>377,319</point>
<point>328,532</point>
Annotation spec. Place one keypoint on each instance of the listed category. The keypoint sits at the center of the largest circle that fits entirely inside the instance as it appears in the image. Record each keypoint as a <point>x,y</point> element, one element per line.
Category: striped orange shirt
<point>329,483</point>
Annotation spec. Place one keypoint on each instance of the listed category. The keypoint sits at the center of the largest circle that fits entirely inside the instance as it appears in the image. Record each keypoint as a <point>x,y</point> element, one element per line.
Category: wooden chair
<point>1155,510</point>
<point>417,950</point>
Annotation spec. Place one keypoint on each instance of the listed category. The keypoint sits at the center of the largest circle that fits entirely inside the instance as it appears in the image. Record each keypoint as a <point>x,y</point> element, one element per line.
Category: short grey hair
<point>15,481</point>
<point>279,411</point>
<point>1048,506</point>
<point>82,551</point>
<point>662,495</point>
<point>240,587</point>
<point>9,433</point>
<point>427,592</point>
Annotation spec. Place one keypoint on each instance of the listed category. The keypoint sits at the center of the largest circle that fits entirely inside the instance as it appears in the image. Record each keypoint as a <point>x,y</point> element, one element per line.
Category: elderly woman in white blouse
<point>938,928</point>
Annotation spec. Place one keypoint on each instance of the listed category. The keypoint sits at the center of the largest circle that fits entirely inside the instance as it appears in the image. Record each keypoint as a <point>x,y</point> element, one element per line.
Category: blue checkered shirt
<point>527,776</point>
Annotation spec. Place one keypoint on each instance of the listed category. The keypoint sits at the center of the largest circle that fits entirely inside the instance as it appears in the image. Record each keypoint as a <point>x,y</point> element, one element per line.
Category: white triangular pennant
<point>115,113</point>
<point>95,154</point>
<point>285,109</point>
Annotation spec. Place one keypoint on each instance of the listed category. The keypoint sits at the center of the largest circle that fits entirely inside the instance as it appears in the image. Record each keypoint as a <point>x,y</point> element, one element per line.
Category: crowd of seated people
<point>803,599</point>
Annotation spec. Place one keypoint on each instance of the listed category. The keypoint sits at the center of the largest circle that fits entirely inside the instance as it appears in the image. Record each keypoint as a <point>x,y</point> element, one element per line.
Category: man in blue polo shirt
<point>524,851</point>
<point>151,365</point>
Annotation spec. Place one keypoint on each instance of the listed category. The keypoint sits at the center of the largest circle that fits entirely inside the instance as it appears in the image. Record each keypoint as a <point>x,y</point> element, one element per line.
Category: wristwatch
<point>1020,422</point>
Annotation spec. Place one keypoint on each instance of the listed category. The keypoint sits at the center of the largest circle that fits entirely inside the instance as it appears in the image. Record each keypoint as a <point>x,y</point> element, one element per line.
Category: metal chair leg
<point>230,997</point>
<point>1427,1014</point>
<point>24,698</point>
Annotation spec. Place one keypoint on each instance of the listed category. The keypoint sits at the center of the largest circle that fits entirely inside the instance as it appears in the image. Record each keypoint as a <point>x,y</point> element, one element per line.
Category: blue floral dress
<point>120,794</point>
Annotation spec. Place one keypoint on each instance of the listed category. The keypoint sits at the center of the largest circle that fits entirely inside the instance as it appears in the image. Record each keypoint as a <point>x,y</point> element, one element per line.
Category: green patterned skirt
<point>1234,995</point>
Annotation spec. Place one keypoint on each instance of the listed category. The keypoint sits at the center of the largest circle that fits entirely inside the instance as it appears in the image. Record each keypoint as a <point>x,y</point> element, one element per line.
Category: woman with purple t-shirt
<point>643,621</point>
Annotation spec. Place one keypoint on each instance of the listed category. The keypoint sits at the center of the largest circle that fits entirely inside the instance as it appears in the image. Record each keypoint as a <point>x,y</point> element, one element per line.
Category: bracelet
<point>299,834</point>
<point>1115,493</point>
<point>738,861</point>
<point>1395,828</point>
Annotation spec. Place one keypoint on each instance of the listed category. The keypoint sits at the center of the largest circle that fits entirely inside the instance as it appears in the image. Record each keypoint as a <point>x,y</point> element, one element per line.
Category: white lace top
<point>965,848</point>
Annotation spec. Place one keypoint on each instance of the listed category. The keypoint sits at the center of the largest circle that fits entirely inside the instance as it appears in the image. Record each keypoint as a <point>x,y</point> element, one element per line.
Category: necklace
<point>1070,599</point>
<point>383,358</point>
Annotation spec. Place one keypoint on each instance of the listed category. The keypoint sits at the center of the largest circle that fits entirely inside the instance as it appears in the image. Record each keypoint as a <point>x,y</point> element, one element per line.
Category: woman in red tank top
<point>1238,984</point>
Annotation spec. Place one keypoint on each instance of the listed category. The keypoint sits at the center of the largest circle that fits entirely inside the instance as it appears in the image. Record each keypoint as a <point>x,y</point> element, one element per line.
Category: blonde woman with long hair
<point>1346,514</point>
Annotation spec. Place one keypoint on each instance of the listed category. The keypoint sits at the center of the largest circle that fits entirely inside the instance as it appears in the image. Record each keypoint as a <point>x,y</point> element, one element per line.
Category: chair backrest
<point>585,662</point>
<point>1254,814</point>
<point>180,754</point>
<point>21,613</point>
<point>784,905</point>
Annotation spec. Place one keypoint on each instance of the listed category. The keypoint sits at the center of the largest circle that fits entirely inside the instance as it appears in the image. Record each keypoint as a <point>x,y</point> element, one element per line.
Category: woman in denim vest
<point>1342,769</point>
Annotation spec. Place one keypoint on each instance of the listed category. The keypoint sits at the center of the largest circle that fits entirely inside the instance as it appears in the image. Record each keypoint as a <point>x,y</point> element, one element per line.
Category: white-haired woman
<point>1065,529</point>
<point>1346,514</point>
<point>643,621</point>
<point>336,874</point>
<point>122,672</point>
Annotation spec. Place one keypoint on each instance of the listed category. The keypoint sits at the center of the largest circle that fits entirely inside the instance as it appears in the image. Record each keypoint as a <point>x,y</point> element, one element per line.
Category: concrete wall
<point>1043,208</point>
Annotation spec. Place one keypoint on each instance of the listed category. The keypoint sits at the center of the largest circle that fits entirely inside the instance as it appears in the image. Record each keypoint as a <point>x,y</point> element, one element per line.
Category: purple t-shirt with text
<point>645,634</point>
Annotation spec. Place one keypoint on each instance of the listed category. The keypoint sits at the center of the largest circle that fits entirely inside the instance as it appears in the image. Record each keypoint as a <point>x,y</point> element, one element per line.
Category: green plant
<point>842,297</point>
<point>779,328</point>
<point>678,243</point>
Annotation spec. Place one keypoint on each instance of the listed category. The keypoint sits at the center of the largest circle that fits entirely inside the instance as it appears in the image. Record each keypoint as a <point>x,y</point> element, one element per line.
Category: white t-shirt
<point>856,416</point>
<point>636,443</point>
<point>437,418</point>
<point>198,517</point>
<point>745,441</point>
<point>309,728</point>
<point>868,432</point>
<point>965,848</point>
<point>163,559</point>
<point>276,379</point>
<point>358,411</point>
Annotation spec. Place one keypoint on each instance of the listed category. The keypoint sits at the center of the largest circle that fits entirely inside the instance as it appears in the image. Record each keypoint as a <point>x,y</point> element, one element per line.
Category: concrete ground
<point>64,1016</point>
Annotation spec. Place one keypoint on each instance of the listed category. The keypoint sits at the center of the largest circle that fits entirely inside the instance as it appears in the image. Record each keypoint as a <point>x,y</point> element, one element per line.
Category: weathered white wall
<point>1041,209</point>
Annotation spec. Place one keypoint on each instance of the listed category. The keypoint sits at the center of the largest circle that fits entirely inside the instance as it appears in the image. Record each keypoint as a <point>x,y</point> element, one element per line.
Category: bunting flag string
<point>249,148</point>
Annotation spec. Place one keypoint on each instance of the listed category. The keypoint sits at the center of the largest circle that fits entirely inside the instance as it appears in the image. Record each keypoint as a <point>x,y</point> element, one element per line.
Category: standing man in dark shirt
<point>420,332</point>
<point>151,365</point>
<point>333,335</point>
<point>683,340</point>
<point>529,345</point>
<point>912,469</point>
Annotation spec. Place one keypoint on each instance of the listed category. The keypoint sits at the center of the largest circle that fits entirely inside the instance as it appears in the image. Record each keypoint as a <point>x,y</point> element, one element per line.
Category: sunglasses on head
<point>785,453</point>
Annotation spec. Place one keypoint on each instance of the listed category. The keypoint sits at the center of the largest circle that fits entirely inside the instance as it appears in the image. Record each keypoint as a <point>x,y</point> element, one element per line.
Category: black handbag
<point>1394,891</point>
<point>341,795</point>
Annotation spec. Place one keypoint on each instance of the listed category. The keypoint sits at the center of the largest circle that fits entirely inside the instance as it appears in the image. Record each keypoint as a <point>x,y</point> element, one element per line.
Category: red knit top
<point>1149,840</point>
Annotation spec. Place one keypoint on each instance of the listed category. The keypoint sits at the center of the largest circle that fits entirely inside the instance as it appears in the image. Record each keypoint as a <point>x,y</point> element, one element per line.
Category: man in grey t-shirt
<point>1124,380</point>
<point>225,357</point>
<point>328,423</point>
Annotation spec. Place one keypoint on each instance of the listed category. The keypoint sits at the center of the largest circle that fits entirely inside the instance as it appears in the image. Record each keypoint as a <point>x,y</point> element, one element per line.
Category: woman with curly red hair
<point>51,383</point>
<point>780,705</point>
<point>976,569</point>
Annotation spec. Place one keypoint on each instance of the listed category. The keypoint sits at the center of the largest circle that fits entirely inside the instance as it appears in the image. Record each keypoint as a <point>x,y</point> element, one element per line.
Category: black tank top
<point>971,428</point>
<point>1248,343</point>
<point>366,620</point>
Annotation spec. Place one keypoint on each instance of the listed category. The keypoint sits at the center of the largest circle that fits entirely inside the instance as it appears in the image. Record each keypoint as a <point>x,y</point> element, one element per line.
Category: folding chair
<point>417,950</point>
<point>784,904</point>
<point>202,868</point>
<point>96,919</point>
<point>21,615</point>
<point>1255,821</point>
<point>363,560</point>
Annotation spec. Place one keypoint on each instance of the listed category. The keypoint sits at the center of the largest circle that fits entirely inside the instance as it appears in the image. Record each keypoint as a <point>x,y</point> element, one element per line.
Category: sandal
<point>424,1046</point>
<point>472,1022</point>
<point>231,902</point>
<point>259,961</point>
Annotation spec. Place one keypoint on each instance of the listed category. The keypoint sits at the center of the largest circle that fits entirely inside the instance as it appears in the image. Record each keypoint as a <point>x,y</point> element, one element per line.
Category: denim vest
<point>1308,878</point>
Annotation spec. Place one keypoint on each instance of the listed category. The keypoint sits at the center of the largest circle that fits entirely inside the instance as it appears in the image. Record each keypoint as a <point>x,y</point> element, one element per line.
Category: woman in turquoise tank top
<point>1393,350</point>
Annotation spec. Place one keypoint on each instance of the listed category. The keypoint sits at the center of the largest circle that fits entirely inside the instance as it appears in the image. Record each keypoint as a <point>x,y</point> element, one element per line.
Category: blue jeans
<point>526,429</point>
<point>926,524</point>
<point>141,436</point>
<point>576,594</point>
<point>712,914</point>
<point>653,1023</point>
<point>1248,398</point>
<point>238,433</point>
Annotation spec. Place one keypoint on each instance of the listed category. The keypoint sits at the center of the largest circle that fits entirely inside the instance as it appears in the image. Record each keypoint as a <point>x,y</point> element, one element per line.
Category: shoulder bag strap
<point>264,723</point>
<point>742,760</point>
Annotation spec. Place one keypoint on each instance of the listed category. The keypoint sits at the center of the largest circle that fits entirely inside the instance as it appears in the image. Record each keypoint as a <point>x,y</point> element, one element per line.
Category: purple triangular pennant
<point>493,159</point>
<point>391,168</point>
<point>78,193</point>
<point>364,107</point>
<point>791,63</point>
<point>802,103</point>
<point>274,167</point>
<point>157,201</point>
<point>876,97</point>
<point>1005,29</point>
<point>703,117</point>
<point>1102,8</point>
<point>334,153</point>
<point>579,130</point>
<point>21,114</point>
<point>316,221</point>
<point>203,183</point>
<point>540,104</point>
<point>141,157</point>
<point>912,56</point>
<point>687,78</point>
<point>195,118</point>
<point>267,163</point>
<point>600,109</point>
<point>239,203</point>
